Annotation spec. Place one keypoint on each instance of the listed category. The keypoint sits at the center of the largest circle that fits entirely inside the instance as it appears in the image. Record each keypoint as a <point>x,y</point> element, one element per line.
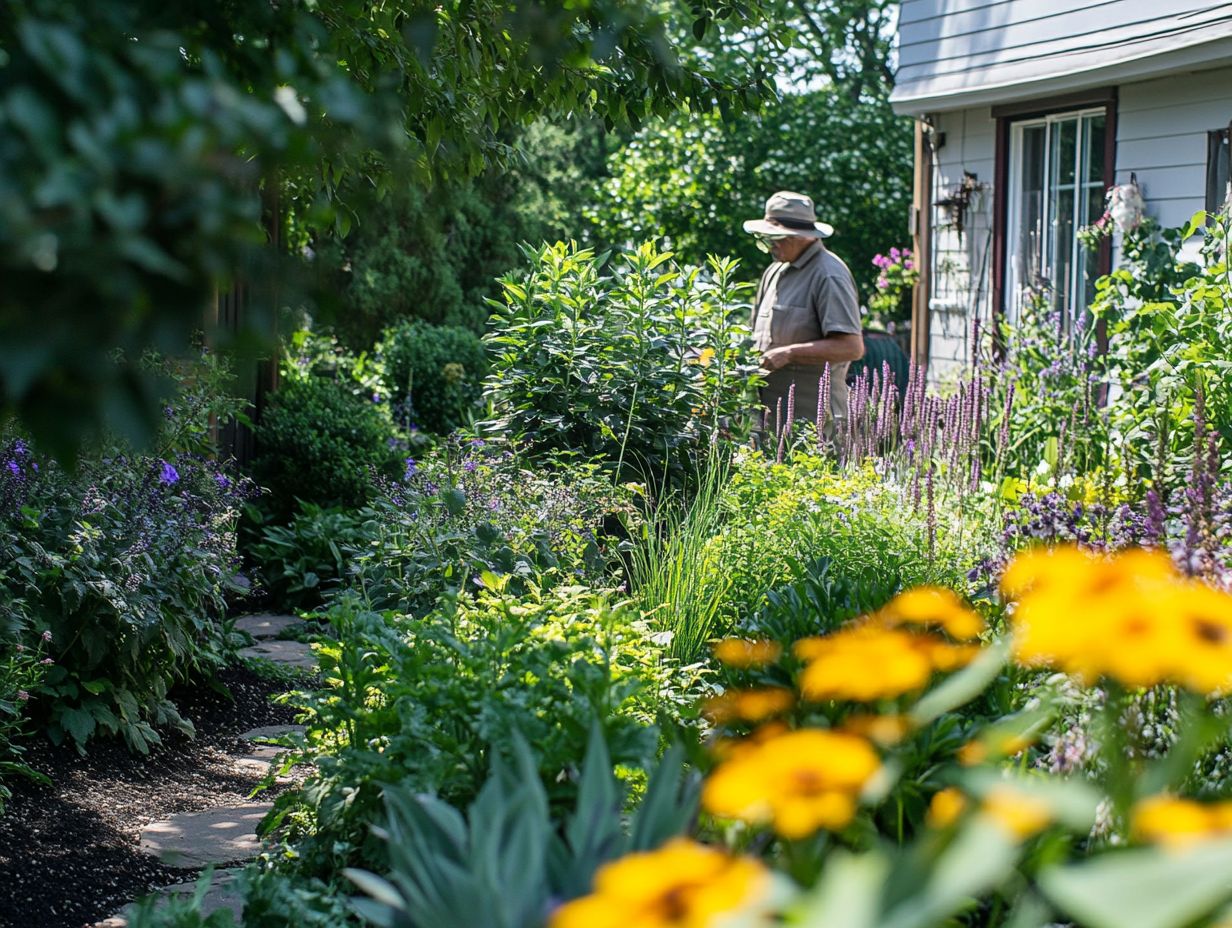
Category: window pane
<point>1029,235</point>
<point>1061,259</point>
<point>1064,147</point>
<point>1094,173</point>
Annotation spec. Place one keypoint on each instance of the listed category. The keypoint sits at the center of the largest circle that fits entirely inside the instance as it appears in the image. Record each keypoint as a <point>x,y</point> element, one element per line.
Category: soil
<point>68,852</point>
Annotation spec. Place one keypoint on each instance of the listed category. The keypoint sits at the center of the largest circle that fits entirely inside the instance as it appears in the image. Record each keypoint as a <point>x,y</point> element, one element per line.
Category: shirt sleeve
<point>836,305</point>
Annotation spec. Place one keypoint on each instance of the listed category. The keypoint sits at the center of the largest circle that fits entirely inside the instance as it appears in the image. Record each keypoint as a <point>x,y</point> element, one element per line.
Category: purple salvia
<point>823,400</point>
<point>821,408</point>
<point>1003,434</point>
<point>778,429</point>
<point>932,516</point>
<point>1155,530</point>
<point>791,407</point>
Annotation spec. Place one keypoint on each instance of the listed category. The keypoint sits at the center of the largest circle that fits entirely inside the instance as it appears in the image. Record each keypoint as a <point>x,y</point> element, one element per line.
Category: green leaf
<point>1144,887</point>
<point>78,723</point>
<point>963,687</point>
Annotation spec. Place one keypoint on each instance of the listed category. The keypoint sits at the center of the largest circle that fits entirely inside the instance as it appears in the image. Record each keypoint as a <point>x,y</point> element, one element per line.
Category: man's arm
<point>833,349</point>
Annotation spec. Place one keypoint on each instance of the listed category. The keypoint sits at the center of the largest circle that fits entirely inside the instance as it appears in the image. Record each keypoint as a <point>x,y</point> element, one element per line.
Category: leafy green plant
<point>642,367</point>
<point>419,700</point>
<point>321,443</point>
<point>507,859</point>
<point>21,672</point>
<point>435,374</point>
<point>180,910</point>
<point>301,561</point>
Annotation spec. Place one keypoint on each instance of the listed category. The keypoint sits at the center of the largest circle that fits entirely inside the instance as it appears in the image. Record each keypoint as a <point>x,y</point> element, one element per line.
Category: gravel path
<point>68,853</point>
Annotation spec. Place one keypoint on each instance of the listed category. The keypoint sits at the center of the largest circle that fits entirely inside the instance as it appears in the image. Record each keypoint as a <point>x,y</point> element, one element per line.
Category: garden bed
<point>68,852</point>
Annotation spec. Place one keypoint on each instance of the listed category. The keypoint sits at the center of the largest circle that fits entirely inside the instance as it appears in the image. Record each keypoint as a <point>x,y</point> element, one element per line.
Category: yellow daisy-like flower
<point>981,749</point>
<point>799,782</point>
<point>744,652</point>
<point>748,705</point>
<point>1175,822</point>
<point>1130,617</point>
<point>1021,815</point>
<point>706,358</point>
<point>682,885</point>
<point>864,663</point>
<point>945,807</point>
<point>933,607</point>
<point>885,730</point>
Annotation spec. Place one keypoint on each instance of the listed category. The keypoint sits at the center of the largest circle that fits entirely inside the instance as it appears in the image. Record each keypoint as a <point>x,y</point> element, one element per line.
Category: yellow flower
<point>749,705</point>
<point>1129,616</point>
<point>980,749</point>
<point>1179,823</point>
<point>744,652</point>
<point>933,607</point>
<point>945,807</point>
<point>1018,813</point>
<point>800,781</point>
<point>863,663</point>
<point>682,885</point>
<point>883,729</point>
<point>706,357</point>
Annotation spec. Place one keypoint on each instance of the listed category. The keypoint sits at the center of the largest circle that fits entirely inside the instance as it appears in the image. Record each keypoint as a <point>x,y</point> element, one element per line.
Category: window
<point>1218,175</point>
<point>1056,184</point>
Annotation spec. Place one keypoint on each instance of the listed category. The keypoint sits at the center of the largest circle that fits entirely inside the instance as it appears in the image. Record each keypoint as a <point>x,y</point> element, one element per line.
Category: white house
<point>1026,112</point>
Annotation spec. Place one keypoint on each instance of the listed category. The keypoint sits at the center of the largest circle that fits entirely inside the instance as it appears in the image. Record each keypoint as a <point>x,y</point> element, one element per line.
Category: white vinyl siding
<point>1162,128</point>
<point>955,53</point>
<point>961,266</point>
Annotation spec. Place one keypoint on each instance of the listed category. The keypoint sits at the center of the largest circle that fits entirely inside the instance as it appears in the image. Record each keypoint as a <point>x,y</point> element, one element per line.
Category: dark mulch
<point>68,853</point>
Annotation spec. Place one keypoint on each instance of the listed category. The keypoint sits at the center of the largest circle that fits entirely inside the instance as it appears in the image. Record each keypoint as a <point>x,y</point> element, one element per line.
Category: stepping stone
<point>266,626</point>
<point>271,732</point>
<point>289,653</point>
<point>221,894</point>
<point>192,840</point>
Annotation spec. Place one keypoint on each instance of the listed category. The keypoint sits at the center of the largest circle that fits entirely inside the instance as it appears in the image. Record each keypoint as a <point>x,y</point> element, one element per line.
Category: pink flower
<point>895,254</point>
<point>907,265</point>
<point>47,635</point>
<point>882,283</point>
<point>21,648</point>
<point>22,696</point>
<point>45,661</point>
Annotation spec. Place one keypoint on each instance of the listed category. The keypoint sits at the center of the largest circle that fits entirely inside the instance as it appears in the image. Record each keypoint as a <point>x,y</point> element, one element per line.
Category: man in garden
<point>806,315</point>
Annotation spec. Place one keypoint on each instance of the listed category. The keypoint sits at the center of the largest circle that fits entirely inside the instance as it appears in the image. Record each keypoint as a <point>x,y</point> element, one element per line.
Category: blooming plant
<point>22,669</point>
<point>897,274</point>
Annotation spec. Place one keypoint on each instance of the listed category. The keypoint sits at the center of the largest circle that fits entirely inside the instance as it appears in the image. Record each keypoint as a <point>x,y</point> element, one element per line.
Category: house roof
<point>960,53</point>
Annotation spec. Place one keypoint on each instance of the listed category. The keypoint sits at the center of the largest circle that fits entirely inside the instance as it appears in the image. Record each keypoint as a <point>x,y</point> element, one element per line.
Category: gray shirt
<point>804,300</point>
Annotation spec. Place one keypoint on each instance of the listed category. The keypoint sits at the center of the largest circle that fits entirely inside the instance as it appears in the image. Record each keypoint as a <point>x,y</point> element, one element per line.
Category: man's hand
<point>775,358</point>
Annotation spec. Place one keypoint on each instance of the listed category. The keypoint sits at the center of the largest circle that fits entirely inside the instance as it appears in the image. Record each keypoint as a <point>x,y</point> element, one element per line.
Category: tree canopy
<point>138,138</point>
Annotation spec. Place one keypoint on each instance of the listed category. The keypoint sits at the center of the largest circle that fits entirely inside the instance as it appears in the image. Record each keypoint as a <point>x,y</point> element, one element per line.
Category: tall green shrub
<point>642,364</point>
<point>320,443</point>
<point>434,374</point>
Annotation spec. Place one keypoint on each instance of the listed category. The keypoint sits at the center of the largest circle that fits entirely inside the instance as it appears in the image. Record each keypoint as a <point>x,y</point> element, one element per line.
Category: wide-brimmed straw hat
<point>789,213</point>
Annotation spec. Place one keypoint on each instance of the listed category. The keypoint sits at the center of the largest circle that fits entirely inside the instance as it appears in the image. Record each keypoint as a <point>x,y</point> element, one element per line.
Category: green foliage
<point>508,858</point>
<point>180,910</point>
<point>1170,335</point>
<point>694,179</point>
<point>320,443</point>
<point>474,506</point>
<point>118,223</point>
<point>435,374</point>
<point>419,701</point>
<point>642,368</point>
<point>21,672</point>
<point>299,562</point>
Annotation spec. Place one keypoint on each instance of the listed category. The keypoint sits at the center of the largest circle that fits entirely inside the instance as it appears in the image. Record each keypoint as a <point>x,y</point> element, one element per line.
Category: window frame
<point>1218,145</point>
<point>1034,110</point>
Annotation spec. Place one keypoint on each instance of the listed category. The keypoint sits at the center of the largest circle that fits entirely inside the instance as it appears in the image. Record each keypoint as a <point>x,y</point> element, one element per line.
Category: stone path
<point>228,834</point>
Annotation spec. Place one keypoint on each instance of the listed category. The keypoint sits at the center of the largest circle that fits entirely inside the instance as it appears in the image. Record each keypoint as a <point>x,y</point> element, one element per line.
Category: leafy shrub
<point>475,506</point>
<point>126,562</point>
<point>301,561</point>
<point>420,701</point>
<point>642,367</point>
<point>435,374</point>
<point>320,443</point>
<point>21,673</point>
